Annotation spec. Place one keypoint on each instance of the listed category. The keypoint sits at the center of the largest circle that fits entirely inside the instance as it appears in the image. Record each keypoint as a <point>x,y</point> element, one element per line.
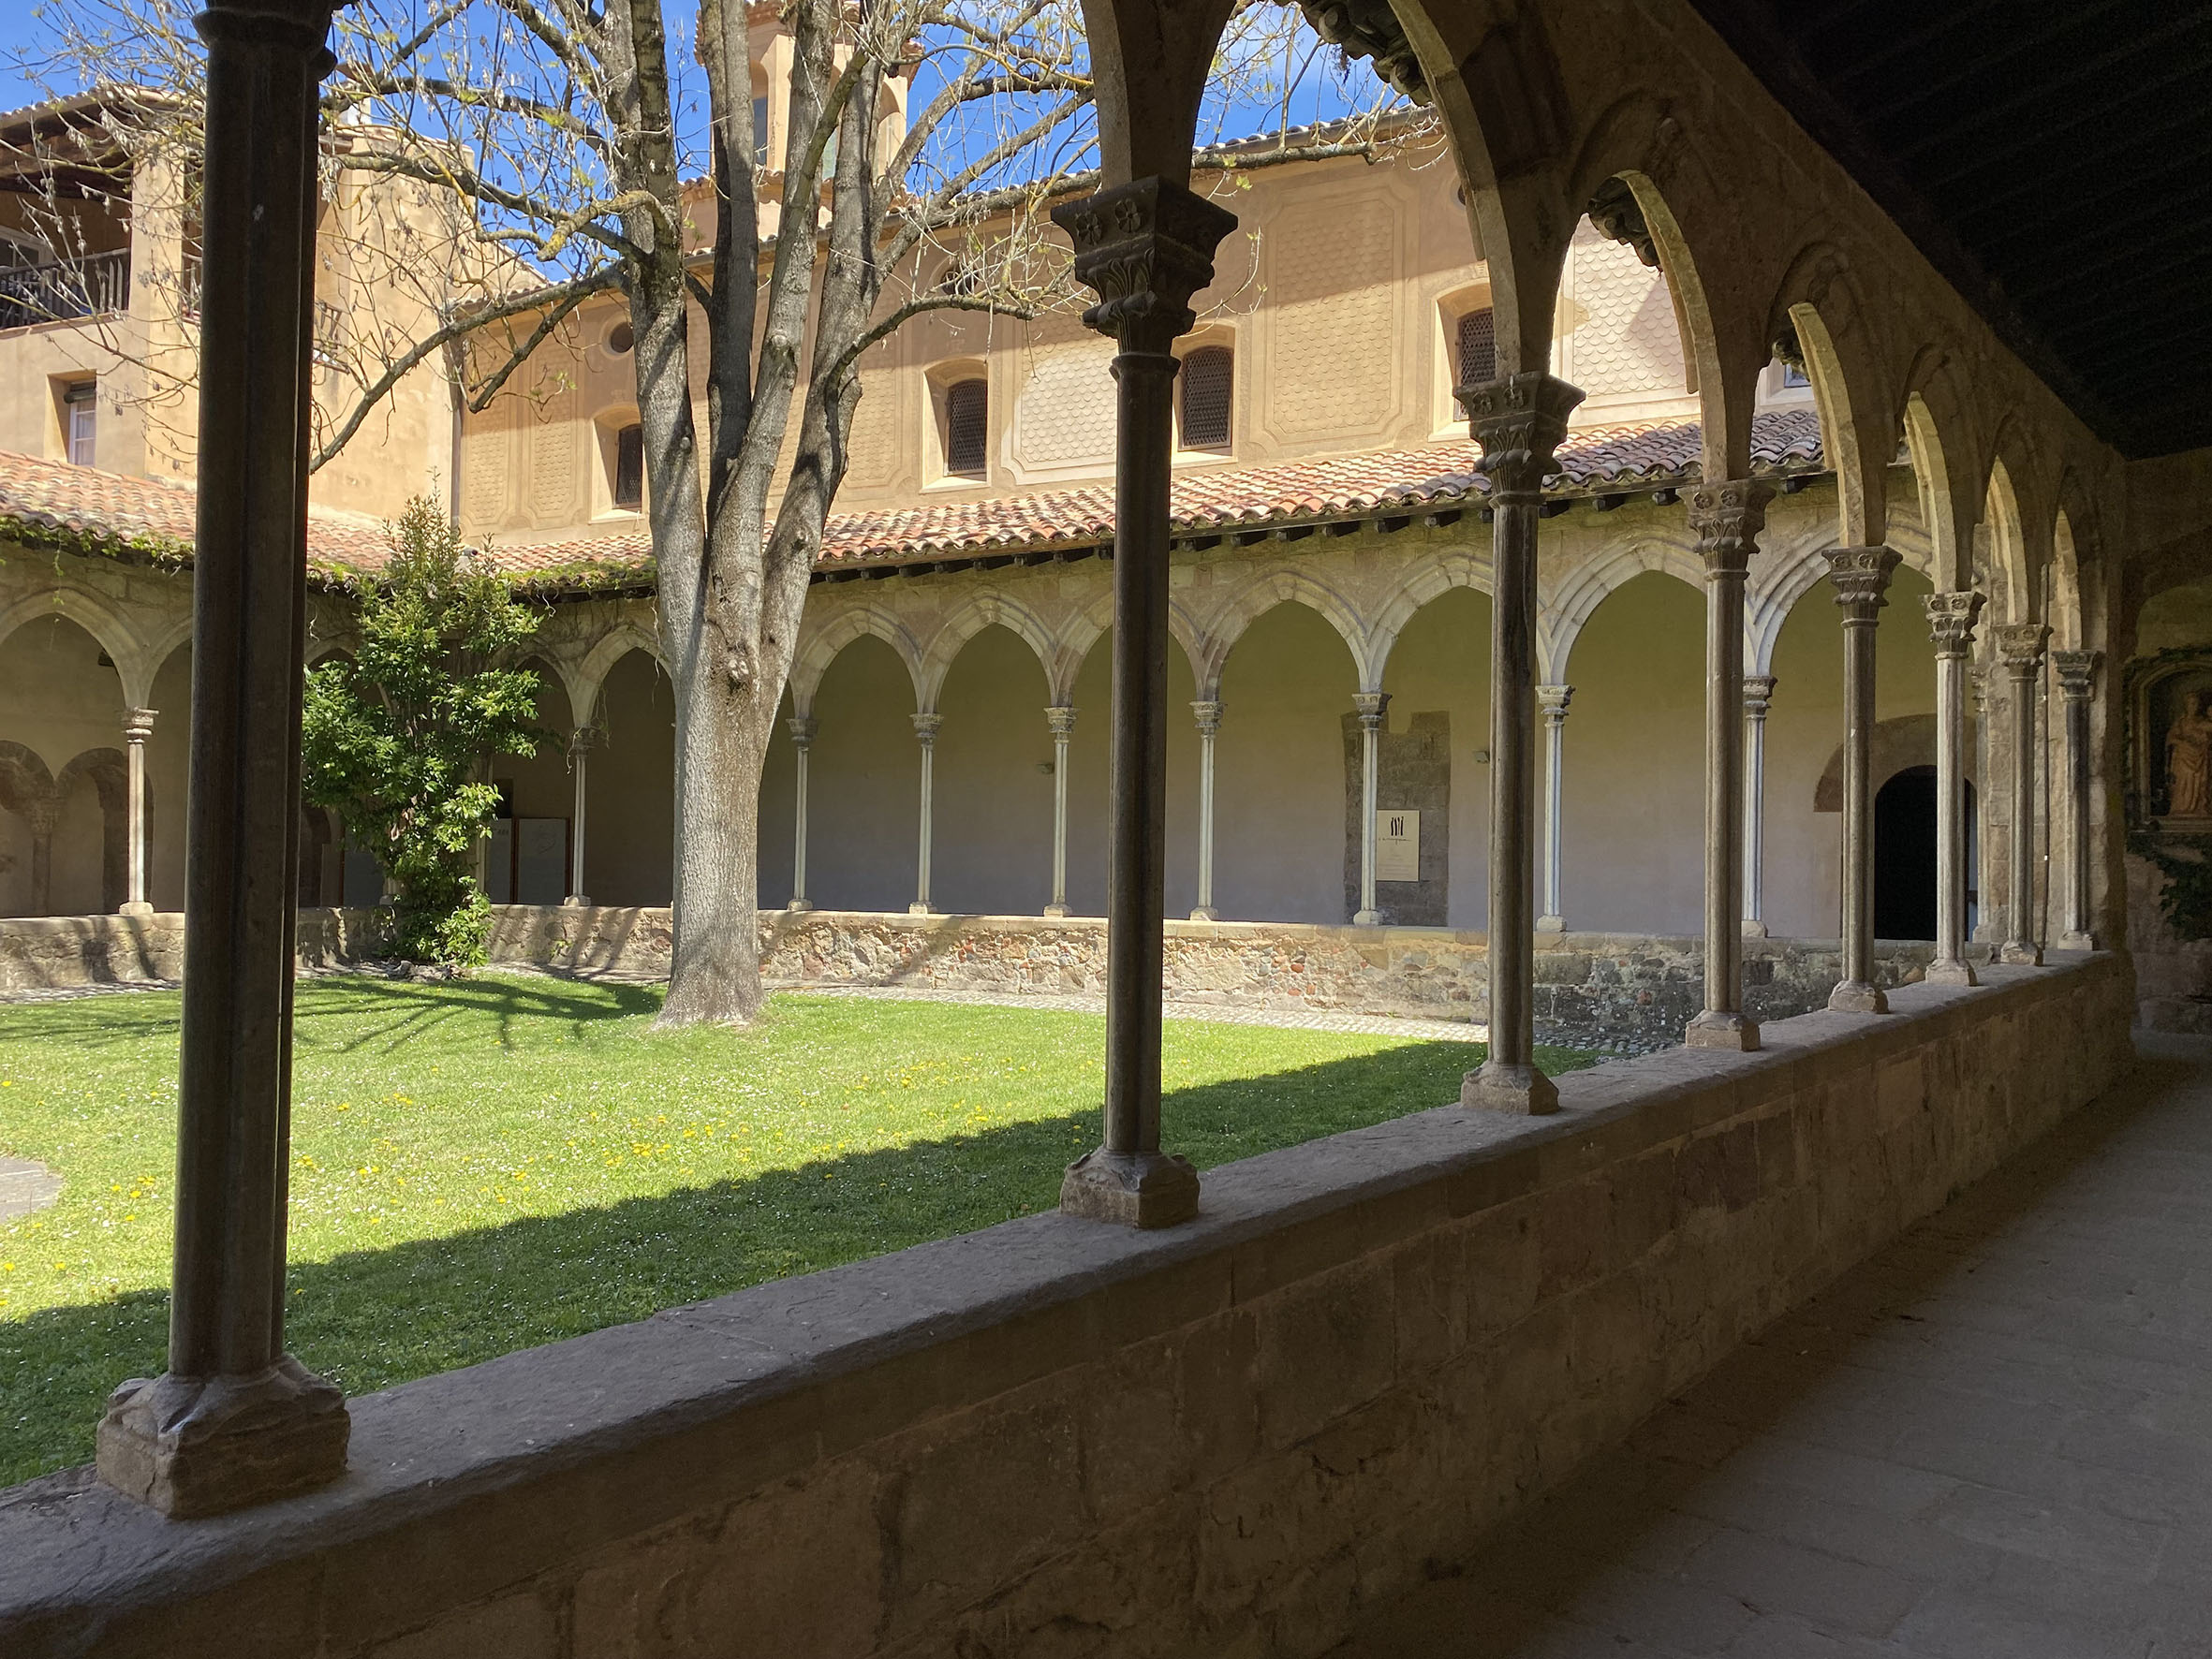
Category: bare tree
<point>551,150</point>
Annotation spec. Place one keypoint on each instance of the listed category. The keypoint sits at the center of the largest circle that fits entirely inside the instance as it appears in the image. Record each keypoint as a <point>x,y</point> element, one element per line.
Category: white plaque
<point>1397,846</point>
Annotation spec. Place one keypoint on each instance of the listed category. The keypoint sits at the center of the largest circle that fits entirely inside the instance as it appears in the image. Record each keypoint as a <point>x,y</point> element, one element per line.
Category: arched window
<point>629,468</point>
<point>1478,348</point>
<point>1209,374</point>
<point>967,427</point>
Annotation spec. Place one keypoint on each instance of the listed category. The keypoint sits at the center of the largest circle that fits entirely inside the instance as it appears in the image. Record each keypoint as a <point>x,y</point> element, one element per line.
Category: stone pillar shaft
<point>1209,725</point>
<point>581,741</point>
<point>1861,576</point>
<point>1758,695</point>
<point>2077,676</point>
<point>1519,422</point>
<point>1951,624</point>
<point>1553,700</point>
<point>802,728</point>
<point>1061,718</point>
<point>1726,515</point>
<point>1373,708</point>
<point>237,1420</point>
<point>1146,247</point>
<point>2020,648</point>
<point>138,726</point>
<point>925,729</point>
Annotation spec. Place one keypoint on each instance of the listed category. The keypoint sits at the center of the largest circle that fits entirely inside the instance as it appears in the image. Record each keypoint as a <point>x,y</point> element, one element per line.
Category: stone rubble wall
<point>1625,993</point>
<point>1236,1436</point>
<point>2172,974</point>
<point>63,952</point>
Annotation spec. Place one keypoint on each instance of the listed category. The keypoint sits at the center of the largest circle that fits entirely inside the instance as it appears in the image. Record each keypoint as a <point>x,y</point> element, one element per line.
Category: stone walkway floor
<point>25,1186</point>
<point>1993,1441</point>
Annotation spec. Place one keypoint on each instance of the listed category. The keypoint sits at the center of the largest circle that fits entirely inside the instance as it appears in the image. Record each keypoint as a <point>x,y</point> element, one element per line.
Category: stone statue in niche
<point>2189,758</point>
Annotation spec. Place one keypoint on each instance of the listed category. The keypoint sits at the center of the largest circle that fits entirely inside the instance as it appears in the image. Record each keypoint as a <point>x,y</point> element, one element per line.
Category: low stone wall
<point>1622,992</point>
<point>1057,1436</point>
<point>2172,974</point>
<point>63,952</point>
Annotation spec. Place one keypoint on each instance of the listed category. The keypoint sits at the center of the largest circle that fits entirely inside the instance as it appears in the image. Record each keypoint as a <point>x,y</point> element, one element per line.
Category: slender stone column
<point>1146,247</point>
<point>801,727</point>
<point>1951,624</point>
<point>2077,678</point>
<point>42,815</point>
<point>138,725</point>
<point>926,729</point>
<point>236,1420</point>
<point>1861,576</point>
<point>2020,650</point>
<point>1209,724</point>
<point>1373,708</point>
<point>1519,422</point>
<point>581,741</point>
<point>1985,769</point>
<point>1726,515</point>
<point>1758,695</point>
<point>1552,699</point>
<point>1061,718</point>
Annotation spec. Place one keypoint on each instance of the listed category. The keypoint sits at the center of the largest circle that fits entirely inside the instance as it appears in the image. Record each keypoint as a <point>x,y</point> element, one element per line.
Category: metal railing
<point>92,286</point>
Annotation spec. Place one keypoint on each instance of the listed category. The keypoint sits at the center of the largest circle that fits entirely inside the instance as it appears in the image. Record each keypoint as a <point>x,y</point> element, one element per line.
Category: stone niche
<point>1413,775</point>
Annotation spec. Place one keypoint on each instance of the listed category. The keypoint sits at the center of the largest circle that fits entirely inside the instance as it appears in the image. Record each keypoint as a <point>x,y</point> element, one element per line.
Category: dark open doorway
<point>1905,872</point>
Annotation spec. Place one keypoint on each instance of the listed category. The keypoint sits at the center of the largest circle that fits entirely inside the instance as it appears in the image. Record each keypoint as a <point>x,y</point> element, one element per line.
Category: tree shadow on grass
<point>372,1319</point>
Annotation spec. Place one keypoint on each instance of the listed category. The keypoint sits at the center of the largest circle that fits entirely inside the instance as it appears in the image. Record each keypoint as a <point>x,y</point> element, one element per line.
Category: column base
<point>1856,996</point>
<point>1956,970</point>
<point>134,907</point>
<point>922,907</point>
<point>206,1446</point>
<point>576,902</point>
<point>1367,918</point>
<point>1736,1033</point>
<point>2077,942</point>
<point>1551,924</point>
<point>1205,912</point>
<point>1501,1086</point>
<point>1057,911</point>
<point>2022,953</point>
<point>798,907</point>
<point>1755,929</point>
<point>1130,1189</point>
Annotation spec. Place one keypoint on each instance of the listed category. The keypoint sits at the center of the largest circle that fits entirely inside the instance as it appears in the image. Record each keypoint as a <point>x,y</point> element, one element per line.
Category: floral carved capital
<point>2020,646</point>
<point>1371,706</point>
<point>1951,618</point>
<point>1861,578</point>
<point>1208,715</point>
<point>1519,422</point>
<point>2076,671</point>
<point>1145,249</point>
<point>1727,514</point>
<point>1061,718</point>
<point>1759,695</point>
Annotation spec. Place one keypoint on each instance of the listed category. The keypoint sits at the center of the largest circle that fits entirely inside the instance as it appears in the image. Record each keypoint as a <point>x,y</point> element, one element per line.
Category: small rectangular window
<point>81,406</point>
<point>761,129</point>
<point>967,424</point>
<point>629,467</point>
<point>1478,348</point>
<point>1209,375</point>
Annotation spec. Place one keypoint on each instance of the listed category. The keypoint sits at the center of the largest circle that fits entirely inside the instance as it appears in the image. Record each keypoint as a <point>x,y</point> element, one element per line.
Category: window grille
<point>967,421</point>
<point>760,131</point>
<point>629,467</point>
<point>1478,348</point>
<point>1208,375</point>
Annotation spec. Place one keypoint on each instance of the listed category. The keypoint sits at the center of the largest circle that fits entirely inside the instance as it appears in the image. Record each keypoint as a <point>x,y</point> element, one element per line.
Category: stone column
<point>1373,708</point>
<point>1061,718</point>
<point>580,744</point>
<point>1951,624</point>
<point>1978,855</point>
<point>235,1420</point>
<point>1209,723</point>
<point>1726,515</point>
<point>2077,676</point>
<point>1146,247</point>
<point>1861,576</point>
<point>1519,422</point>
<point>41,815</point>
<point>926,729</point>
<point>1552,699</point>
<point>1758,695</point>
<point>801,727</point>
<point>2020,650</point>
<point>138,725</point>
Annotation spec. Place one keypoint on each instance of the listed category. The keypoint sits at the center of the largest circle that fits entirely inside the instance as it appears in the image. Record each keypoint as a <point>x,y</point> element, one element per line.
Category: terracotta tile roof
<point>46,501</point>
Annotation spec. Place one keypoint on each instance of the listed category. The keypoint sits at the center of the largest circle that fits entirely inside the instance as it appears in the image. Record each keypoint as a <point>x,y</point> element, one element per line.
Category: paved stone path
<point>1993,1441</point>
<point>1445,1031</point>
<point>25,1186</point>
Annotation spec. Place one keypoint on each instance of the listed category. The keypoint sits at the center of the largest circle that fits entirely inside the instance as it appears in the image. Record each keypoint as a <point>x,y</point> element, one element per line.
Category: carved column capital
<point>583,739</point>
<point>802,728</point>
<point>1951,618</point>
<point>1727,514</point>
<point>1519,422</point>
<point>41,815</point>
<point>1861,576</point>
<point>2020,646</point>
<point>1061,718</point>
<point>2076,671</point>
<point>1759,695</point>
<point>925,728</point>
<point>1373,708</point>
<point>1552,700</point>
<point>1145,249</point>
<point>1208,715</point>
<point>138,724</point>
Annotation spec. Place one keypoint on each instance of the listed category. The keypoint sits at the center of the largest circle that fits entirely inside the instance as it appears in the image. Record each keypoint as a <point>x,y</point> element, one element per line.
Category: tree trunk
<point>721,745</point>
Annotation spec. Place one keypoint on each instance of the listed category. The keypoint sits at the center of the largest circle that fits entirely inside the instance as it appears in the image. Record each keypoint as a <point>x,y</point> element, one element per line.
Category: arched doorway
<point>1906,873</point>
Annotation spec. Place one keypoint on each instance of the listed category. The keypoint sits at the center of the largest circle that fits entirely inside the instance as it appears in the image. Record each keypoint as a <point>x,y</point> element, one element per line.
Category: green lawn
<point>481,1165</point>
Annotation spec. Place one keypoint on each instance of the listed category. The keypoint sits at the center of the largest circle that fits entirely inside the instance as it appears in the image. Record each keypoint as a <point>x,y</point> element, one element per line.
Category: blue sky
<point>20,31</point>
